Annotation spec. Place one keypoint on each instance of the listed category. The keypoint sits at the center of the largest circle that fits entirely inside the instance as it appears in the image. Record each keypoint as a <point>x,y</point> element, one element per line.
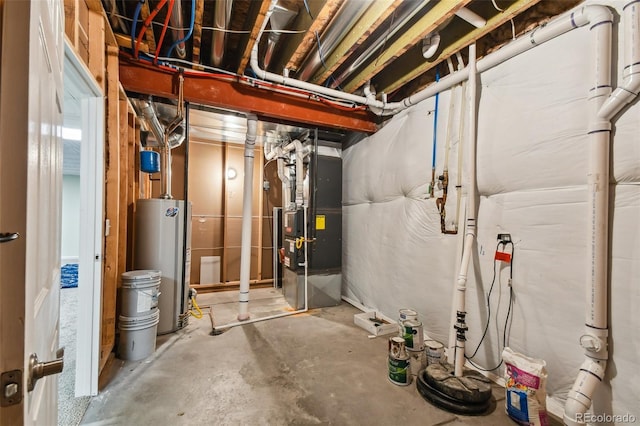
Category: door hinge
<point>11,388</point>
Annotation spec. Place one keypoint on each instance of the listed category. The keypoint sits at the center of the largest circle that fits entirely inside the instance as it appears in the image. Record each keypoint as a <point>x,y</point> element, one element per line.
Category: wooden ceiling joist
<point>369,22</point>
<point>262,14</point>
<point>151,39</point>
<point>318,26</point>
<point>229,94</point>
<point>429,22</point>
<point>197,31</point>
<point>492,23</point>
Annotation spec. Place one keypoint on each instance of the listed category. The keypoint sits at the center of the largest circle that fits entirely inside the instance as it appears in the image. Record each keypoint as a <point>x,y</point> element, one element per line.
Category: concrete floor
<point>313,368</point>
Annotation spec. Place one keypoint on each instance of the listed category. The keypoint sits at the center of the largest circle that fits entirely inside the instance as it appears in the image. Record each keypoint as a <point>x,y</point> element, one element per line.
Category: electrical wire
<point>306,6</point>
<point>509,317</point>
<point>513,26</point>
<point>320,54</point>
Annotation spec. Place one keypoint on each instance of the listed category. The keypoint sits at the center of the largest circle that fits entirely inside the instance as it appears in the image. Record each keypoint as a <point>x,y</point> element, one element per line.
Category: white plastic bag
<point>525,387</point>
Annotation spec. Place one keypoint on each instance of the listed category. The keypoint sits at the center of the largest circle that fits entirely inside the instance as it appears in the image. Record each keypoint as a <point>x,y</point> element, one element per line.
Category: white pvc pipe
<point>470,234</point>
<point>247,207</point>
<point>587,14</point>
<point>300,154</point>
<point>471,17</point>
<point>604,106</point>
<point>306,290</point>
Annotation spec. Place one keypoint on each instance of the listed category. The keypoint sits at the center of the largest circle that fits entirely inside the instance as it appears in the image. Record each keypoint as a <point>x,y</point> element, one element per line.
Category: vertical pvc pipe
<point>594,340</point>
<point>470,234</point>
<point>247,207</point>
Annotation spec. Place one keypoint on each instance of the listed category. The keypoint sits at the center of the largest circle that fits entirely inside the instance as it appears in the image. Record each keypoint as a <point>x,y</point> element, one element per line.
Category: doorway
<point>81,239</point>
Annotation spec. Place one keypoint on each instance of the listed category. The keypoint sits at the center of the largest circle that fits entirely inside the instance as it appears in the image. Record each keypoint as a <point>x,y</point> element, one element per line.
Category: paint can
<point>407,314</point>
<point>434,352</point>
<point>412,334</point>
<point>399,363</point>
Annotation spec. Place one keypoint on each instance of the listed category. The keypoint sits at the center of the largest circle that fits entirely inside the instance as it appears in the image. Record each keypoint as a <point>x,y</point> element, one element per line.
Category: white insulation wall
<point>532,162</point>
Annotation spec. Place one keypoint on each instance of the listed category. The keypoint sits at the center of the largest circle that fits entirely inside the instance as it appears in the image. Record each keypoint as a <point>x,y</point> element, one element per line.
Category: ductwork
<point>345,18</point>
<point>279,20</point>
<point>164,137</point>
<point>178,28</point>
<point>403,14</point>
<point>221,18</point>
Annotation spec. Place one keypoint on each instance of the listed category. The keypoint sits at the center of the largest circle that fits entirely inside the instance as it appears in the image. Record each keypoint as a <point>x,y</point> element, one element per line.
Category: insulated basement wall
<point>532,163</point>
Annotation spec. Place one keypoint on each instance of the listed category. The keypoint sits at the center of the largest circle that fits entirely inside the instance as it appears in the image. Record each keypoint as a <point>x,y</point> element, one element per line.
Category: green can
<point>399,363</point>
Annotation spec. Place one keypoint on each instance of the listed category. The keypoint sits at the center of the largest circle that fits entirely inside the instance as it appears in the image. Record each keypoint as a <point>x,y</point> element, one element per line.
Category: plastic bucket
<point>139,292</point>
<point>138,336</point>
<point>149,161</point>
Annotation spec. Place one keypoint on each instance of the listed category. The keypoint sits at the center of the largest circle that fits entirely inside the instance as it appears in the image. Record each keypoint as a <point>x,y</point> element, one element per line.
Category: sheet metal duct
<point>279,20</point>
<point>221,18</point>
<point>345,18</point>
<point>178,31</point>
<point>404,13</point>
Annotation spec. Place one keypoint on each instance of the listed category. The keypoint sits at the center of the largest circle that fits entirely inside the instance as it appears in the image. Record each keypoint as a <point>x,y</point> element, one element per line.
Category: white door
<point>30,204</point>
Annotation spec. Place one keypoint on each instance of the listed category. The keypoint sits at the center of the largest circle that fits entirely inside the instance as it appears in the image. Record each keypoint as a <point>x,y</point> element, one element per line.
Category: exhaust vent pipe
<point>345,18</point>
<point>221,18</point>
<point>279,20</point>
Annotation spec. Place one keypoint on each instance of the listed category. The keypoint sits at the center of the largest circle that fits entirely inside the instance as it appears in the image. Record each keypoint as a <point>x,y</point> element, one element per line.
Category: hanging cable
<point>306,6</point>
<point>509,317</point>
<point>191,25</point>
<point>513,26</point>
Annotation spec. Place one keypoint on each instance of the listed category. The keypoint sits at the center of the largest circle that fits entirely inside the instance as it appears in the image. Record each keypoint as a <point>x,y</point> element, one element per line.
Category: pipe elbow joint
<point>595,14</point>
<point>579,397</point>
<point>574,412</point>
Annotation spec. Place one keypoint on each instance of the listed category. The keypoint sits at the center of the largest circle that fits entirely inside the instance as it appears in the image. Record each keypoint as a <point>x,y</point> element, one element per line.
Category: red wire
<point>145,25</point>
<point>164,30</point>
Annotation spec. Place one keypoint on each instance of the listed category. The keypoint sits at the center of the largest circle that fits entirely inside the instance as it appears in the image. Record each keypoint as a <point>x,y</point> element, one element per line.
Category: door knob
<point>37,369</point>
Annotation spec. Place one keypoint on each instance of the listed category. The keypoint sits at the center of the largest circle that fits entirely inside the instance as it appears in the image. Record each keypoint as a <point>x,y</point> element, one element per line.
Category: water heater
<point>163,242</point>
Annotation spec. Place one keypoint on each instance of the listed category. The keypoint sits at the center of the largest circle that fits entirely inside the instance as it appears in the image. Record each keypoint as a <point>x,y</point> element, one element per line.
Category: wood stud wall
<point>123,183</point>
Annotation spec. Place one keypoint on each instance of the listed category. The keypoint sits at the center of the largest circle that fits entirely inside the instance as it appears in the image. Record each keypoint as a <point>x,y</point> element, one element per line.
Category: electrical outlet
<point>505,238</point>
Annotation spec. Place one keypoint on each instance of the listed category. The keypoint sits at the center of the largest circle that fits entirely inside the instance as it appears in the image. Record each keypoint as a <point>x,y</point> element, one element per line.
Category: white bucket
<point>139,292</point>
<point>138,336</point>
<point>434,351</point>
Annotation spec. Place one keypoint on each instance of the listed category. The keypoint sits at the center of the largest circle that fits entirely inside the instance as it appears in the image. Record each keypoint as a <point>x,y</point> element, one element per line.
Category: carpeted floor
<point>70,408</point>
<point>69,275</point>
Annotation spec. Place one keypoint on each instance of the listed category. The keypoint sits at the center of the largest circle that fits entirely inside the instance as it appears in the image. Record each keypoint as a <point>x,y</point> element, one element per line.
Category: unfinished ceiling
<point>400,46</point>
